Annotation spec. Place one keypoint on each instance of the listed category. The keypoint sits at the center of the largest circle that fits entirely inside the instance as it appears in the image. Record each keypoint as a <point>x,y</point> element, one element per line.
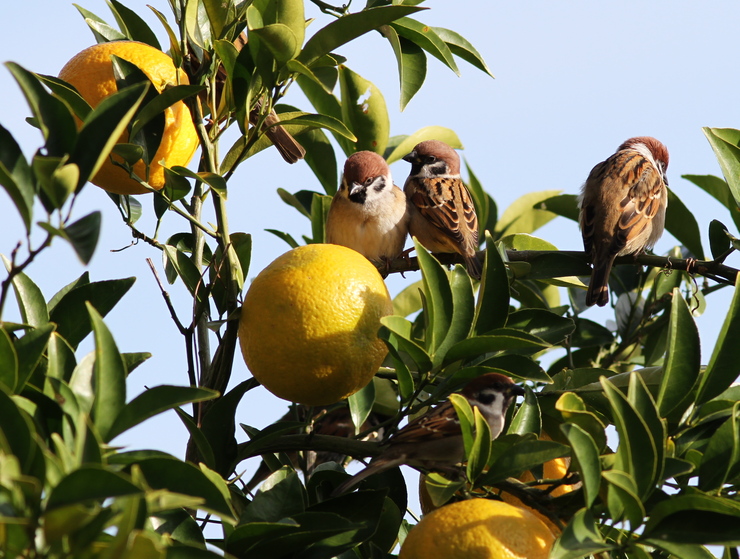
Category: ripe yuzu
<point>309,324</point>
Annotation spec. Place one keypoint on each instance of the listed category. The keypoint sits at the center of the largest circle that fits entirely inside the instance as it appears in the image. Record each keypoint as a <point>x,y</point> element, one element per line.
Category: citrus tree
<point>650,430</point>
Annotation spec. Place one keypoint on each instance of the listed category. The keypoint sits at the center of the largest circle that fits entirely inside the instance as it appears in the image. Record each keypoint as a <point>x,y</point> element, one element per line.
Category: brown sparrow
<point>285,143</point>
<point>442,215</point>
<point>368,213</point>
<point>623,204</point>
<point>336,422</point>
<point>434,440</point>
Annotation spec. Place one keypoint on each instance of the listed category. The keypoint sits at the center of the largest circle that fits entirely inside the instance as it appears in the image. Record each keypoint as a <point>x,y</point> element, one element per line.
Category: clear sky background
<point>573,80</point>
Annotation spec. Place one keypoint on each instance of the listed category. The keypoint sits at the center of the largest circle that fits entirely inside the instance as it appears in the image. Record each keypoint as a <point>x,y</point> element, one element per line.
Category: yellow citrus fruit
<point>478,529</point>
<point>309,324</point>
<point>91,73</point>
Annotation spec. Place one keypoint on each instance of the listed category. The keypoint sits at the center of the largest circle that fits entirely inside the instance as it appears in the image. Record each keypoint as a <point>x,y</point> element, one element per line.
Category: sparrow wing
<point>447,205</point>
<point>440,423</point>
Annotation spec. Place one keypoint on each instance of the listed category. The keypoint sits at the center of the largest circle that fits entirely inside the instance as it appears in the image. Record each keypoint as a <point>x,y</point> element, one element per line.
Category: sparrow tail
<point>286,144</point>
<point>473,266</point>
<point>598,287</point>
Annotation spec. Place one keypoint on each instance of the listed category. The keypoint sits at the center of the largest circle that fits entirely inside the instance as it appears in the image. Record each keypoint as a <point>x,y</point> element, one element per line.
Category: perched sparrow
<point>434,440</point>
<point>623,204</point>
<point>443,217</point>
<point>336,422</point>
<point>368,212</point>
<point>285,143</point>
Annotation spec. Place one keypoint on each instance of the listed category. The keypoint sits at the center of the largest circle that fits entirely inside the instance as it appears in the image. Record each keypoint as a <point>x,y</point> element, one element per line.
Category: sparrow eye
<point>486,398</point>
<point>369,181</point>
<point>431,159</point>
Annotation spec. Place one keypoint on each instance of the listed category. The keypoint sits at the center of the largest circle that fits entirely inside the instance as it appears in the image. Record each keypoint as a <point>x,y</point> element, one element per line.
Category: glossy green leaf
<point>408,300</point>
<point>581,538</point>
<point>528,418</point>
<point>721,371</point>
<point>403,375</point>
<point>683,359</point>
<point>101,30</point>
<point>51,114</point>
<point>463,311</point>
<point>438,297</point>
<point>407,143</point>
<point>441,489</point>
<point>103,127</point>
<point>719,242</point>
<point>524,214</point>
<point>168,97</point>
<point>16,176</point>
<point>717,188</point>
<point>8,362</point>
<point>154,401</point>
<point>682,551</point>
<point>67,93</point>
<point>319,211</point>
<point>622,499</point>
<point>327,104</point>
<point>695,518</point>
<point>481,449</point>
<point>642,400</point>
<point>524,455</point>
<point>543,324</point>
<point>70,314</point>
<point>31,302</point>
<point>90,484</point>
<point>279,39</point>
<point>361,404</point>
<point>321,159</point>
<point>135,27</point>
<point>110,377</point>
<point>502,339</point>
<point>637,454</point>
<point>83,235</point>
<point>519,366</point>
<point>724,142</point>
<point>218,15</point>
<point>185,269</point>
<point>466,418</point>
<point>492,308</point>
<point>485,207</point>
<point>364,111</point>
<point>412,64</point>
<point>460,46</point>
<point>349,27</point>
<point>722,455</point>
<point>586,455</point>
<point>681,223</point>
<point>426,37</point>
<point>30,349</point>
<point>575,411</point>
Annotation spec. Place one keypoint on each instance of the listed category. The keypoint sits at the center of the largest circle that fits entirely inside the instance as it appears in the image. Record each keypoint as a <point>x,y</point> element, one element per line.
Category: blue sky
<point>573,80</point>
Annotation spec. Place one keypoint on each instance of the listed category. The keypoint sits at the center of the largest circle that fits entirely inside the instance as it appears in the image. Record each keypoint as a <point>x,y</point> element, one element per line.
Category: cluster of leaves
<point>662,484</point>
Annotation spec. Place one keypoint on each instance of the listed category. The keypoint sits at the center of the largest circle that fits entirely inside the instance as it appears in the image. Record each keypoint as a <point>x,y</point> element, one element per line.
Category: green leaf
<point>408,300</point>
<point>397,332</point>
<point>8,362</point>
<point>16,177</point>
<point>68,94</point>
<point>186,270</point>
<point>681,223</point>
<point>719,189</point>
<point>361,404</point>
<point>30,349</point>
<point>683,359</point>
<point>320,205</point>
<point>622,499</point>
<point>89,483</point>
<point>485,207</point>
<point>722,455</point>
<point>438,309</point>
<point>565,205</point>
<point>159,102</point>
<point>135,28</point>
<point>694,519</point>
<point>154,401</point>
<point>501,339</point>
<point>83,235</point>
<point>364,111</point>
<point>721,371</point>
<point>587,462</point>
<point>724,142</point>
<point>581,538</point>
<point>463,311</point>
<point>543,324</point>
<point>481,448</point>
<point>403,145</point>
<point>110,377</point>
<point>525,454</point>
<point>31,302</point>
<point>460,46</point>
<point>574,410</point>
<point>426,37</point>
<point>526,214</point>
<point>492,308</point>
<point>321,159</point>
<point>528,418</point>
<point>719,242</point>
<point>349,27</point>
<point>412,64</point>
<point>103,127</point>
<point>466,417</point>
<point>70,314</point>
<point>218,15</point>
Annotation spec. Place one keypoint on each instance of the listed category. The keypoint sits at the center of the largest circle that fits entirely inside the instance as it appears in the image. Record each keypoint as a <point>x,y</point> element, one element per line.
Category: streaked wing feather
<point>441,422</point>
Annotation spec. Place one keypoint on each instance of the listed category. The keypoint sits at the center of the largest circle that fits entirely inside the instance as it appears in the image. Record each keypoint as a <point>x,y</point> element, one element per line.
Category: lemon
<point>478,529</point>
<point>309,324</point>
<point>91,73</point>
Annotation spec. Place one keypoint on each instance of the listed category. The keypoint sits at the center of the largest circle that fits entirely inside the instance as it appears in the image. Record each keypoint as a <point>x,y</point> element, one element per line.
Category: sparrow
<point>434,441</point>
<point>368,213</point>
<point>442,214</point>
<point>336,422</point>
<point>622,208</point>
<point>285,143</point>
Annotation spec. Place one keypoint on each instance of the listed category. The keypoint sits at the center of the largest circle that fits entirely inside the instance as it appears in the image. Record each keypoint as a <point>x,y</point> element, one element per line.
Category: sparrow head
<point>365,171</point>
<point>432,158</point>
<point>649,146</point>
<point>493,393</point>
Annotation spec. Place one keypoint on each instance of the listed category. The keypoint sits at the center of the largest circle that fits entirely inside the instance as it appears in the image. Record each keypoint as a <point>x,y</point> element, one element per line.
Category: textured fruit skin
<point>91,72</point>
<point>309,323</point>
<point>478,529</point>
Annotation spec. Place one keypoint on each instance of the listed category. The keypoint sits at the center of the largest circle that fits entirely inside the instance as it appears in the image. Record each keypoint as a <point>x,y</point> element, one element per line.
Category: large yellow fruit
<point>91,72</point>
<point>478,529</point>
<point>309,324</point>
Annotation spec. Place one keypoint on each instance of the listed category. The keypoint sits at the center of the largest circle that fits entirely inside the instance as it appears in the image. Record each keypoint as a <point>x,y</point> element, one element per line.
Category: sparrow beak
<point>354,188</point>
<point>517,390</point>
<point>411,157</point>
